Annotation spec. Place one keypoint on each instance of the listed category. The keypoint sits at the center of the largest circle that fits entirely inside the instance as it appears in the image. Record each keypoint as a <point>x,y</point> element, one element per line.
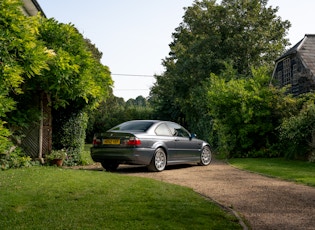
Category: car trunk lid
<point>116,139</point>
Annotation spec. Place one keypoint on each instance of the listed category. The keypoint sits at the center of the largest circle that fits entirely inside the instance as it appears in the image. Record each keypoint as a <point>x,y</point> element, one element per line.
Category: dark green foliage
<point>69,134</point>
<point>243,33</point>
<point>95,51</point>
<point>115,111</point>
<point>163,99</point>
<point>139,101</point>
<point>297,132</point>
<point>245,114</point>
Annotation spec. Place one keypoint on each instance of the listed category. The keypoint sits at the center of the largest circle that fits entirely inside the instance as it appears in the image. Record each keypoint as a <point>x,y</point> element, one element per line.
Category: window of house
<point>287,71</point>
<point>295,73</point>
<point>279,77</point>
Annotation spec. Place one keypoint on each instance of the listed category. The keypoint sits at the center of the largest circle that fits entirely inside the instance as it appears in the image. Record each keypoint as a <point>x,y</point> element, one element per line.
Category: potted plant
<point>56,157</point>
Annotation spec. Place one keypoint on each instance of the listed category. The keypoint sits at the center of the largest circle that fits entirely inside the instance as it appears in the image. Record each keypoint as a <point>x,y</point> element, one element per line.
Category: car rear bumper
<point>139,156</point>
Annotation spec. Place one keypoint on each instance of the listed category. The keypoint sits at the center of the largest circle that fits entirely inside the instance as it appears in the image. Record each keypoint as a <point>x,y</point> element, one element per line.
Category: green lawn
<point>55,198</point>
<point>297,171</point>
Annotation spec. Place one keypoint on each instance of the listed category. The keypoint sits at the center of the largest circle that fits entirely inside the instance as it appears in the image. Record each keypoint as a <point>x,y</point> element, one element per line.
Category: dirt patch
<point>265,203</point>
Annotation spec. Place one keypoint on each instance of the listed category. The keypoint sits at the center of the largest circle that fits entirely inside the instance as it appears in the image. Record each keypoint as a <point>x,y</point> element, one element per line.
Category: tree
<point>108,114</point>
<point>40,56</point>
<point>76,82</point>
<point>74,74</point>
<point>22,57</point>
<point>115,111</point>
<point>163,97</point>
<point>71,76</point>
<point>139,101</point>
<point>242,33</point>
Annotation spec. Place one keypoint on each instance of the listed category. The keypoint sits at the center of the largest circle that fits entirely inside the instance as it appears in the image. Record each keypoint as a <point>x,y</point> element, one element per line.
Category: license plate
<point>111,141</point>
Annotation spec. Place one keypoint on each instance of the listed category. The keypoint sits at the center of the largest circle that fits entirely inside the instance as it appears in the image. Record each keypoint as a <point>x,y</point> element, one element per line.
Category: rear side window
<point>162,130</point>
<point>178,130</point>
<point>134,126</point>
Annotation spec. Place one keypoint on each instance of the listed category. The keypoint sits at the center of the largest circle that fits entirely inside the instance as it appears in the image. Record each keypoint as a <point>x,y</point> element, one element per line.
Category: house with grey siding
<point>296,67</point>
<point>31,8</point>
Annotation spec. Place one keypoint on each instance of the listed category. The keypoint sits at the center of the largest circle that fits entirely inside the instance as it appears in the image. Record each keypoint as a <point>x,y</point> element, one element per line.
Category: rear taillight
<point>96,141</point>
<point>133,141</point>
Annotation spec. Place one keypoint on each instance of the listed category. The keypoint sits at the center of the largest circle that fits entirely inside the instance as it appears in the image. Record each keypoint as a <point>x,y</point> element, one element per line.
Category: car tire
<point>110,166</point>
<point>158,162</point>
<point>205,156</point>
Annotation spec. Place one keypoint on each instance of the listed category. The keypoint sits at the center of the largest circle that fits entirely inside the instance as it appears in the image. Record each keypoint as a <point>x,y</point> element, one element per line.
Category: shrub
<point>245,113</point>
<point>57,154</point>
<point>71,137</point>
<point>5,143</point>
<point>297,134</point>
<point>16,159</point>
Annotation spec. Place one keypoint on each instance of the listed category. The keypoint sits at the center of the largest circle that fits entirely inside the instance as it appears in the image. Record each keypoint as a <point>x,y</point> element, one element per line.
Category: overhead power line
<point>132,75</point>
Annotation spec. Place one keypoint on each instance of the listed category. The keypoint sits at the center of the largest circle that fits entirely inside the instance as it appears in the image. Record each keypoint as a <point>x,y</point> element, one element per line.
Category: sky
<point>134,35</point>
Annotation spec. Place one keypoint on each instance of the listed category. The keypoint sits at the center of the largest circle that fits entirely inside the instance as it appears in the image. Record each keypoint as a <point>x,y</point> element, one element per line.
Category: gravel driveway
<point>263,202</point>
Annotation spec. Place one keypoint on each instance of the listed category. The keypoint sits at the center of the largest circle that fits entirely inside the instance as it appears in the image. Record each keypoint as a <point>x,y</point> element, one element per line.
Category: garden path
<point>264,203</point>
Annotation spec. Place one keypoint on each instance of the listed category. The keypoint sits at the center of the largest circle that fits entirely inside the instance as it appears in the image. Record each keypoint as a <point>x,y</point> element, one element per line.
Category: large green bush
<point>246,113</point>
<point>297,133</point>
<point>70,134</point>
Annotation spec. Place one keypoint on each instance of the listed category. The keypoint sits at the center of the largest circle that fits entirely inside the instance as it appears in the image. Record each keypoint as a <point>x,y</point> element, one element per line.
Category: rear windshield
<point>134,126</point>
